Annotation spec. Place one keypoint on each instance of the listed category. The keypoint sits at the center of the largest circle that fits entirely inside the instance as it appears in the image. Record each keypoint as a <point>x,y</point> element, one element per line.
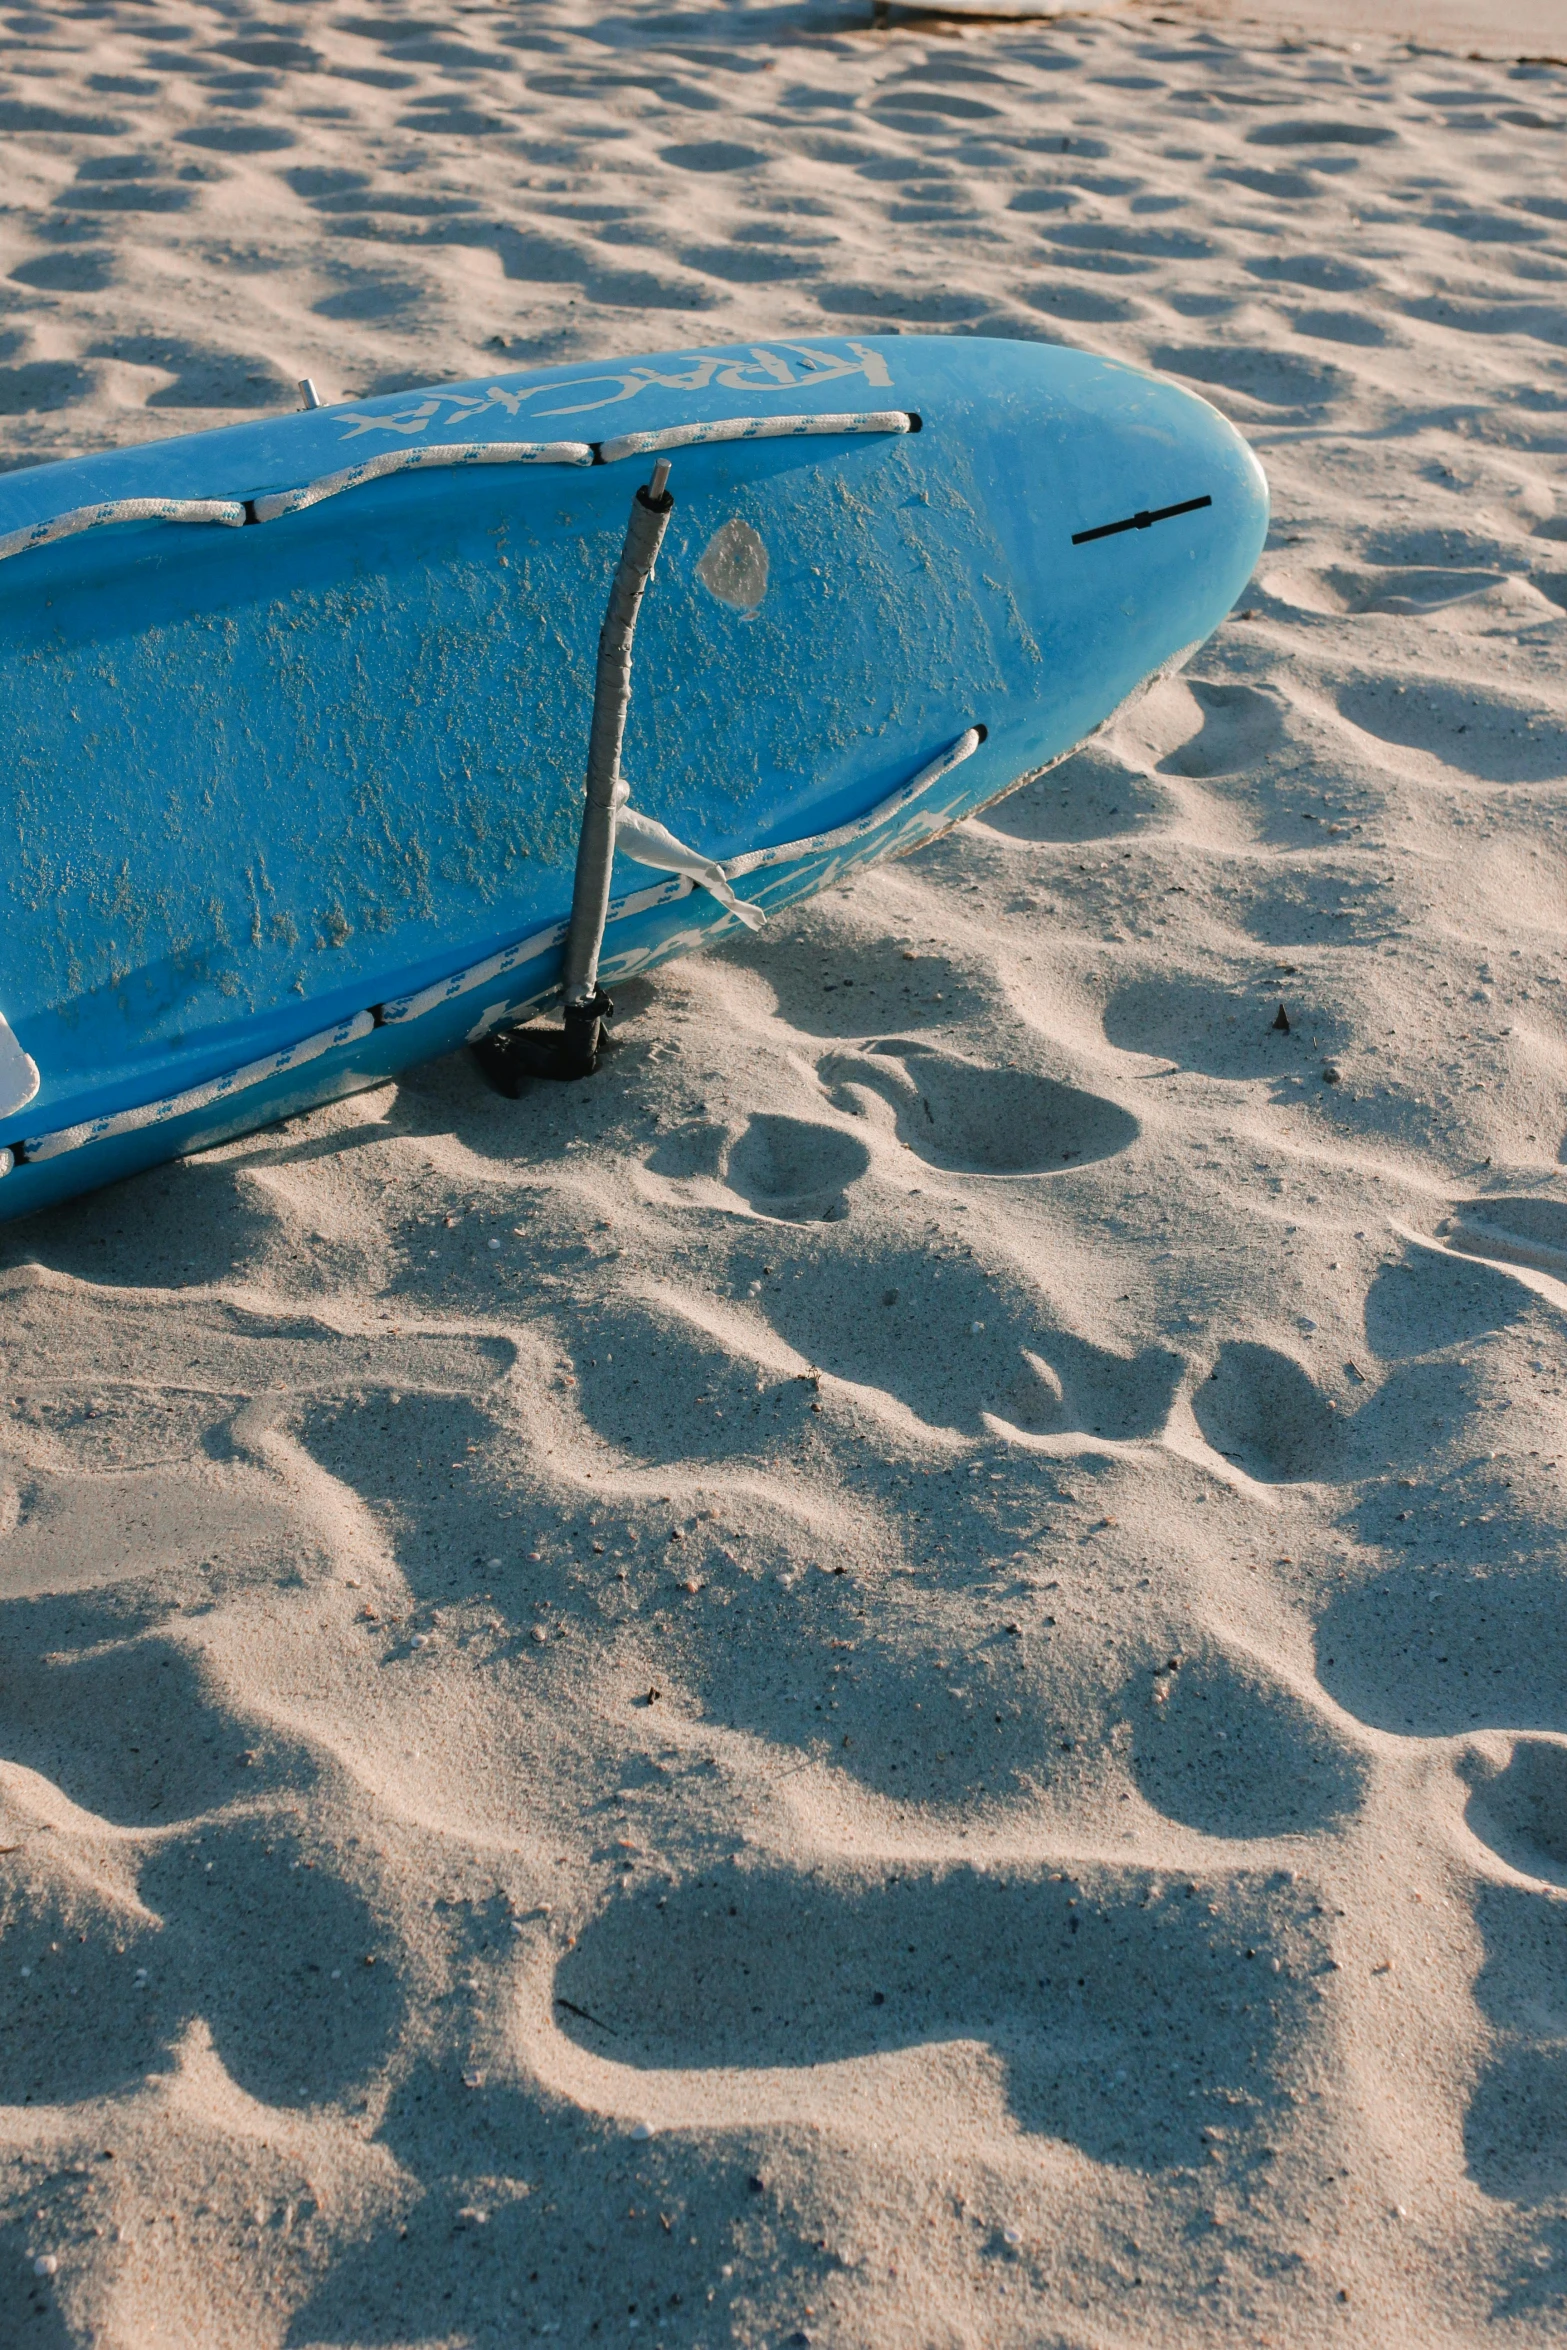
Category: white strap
<point>18,1072</point>
<point>649,843</point>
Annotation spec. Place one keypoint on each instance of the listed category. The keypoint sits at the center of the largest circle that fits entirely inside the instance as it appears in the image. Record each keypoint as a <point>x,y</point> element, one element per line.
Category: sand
<point>1533,31</point>
<point>897,1676</point>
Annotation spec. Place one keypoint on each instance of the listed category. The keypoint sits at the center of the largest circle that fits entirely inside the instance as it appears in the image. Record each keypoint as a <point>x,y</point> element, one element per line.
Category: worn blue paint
<point>259,780</point>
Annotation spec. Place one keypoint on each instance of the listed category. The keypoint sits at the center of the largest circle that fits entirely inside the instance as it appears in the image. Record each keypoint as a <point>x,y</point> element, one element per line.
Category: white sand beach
<point>896,1677</point>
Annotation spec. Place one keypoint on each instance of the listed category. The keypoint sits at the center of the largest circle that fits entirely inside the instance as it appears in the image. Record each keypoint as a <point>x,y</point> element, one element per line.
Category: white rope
<point>65,526</point>
<point>414,1007</point>
<point>750,428</point>
<point>644,840</point>
<point>847,835</point>
<point>647,842</point>
<point>199,1097</point>
<point>233,512</point>
<point>330,485</point>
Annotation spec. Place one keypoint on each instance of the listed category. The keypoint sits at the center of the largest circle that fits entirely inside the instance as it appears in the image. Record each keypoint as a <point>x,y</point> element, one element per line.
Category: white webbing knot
<point>647,842</point>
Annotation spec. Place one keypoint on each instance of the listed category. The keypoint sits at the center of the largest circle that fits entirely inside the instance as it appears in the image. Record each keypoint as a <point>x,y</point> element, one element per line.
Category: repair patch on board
<point>734,566</point>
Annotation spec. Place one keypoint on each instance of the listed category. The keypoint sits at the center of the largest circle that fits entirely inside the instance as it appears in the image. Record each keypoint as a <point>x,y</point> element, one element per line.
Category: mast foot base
<point>512,1057</point>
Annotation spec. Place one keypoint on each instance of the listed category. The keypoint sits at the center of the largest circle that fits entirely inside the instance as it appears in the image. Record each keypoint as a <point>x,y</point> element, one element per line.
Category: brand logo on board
<point>763,367</point>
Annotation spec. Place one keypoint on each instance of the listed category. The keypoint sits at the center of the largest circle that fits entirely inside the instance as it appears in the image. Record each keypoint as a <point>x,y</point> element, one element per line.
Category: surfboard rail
<point>537,947</point>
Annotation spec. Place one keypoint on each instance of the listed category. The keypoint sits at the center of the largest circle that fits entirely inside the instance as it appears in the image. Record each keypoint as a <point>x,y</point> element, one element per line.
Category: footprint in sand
<point>1470,602</point>
<point>1123,245</point>
<point>1485,316</point>
<point>1515,2129</point>
<point>1223,1748</point>
<point>119,1722</point>
<point>1263,1411</point>
<point>1426,1301</point>
<point>663,1388</point>
<point>1435,1649</point>
<point>1439,550</point>
<point>975,1120</point>
<point>830,986</point>
<point>248,1933</point>
<point>1519,1806</point>
<point>1094,795</point>
<point>903,1725</point>
<point>90,270</point>
<point>693,1150</point>
<point>712,155</point>
<point>1322,131</point>
<point>205,375</point>
<point>1470,729</point>
<point>1341,326</point>
<point>1085,305</point>
<point>1221,1031</point>
<point>795,1170</point>
<point>1071,1981</point>
<point>1192,728</point>
<point>1256,382</point>
<point>952,1342</point>
<point>1328,273</point>
<point>928,1331</point>
<point>1286,187</point>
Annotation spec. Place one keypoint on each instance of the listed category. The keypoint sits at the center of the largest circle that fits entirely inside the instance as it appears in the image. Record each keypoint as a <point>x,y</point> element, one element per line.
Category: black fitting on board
<point>1144,519</point>
<point>512,1057</point>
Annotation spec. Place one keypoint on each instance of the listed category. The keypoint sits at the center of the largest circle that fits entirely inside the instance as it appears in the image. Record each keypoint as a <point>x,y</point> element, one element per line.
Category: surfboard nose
<point>1147,517</point>
<point>1132,514</point>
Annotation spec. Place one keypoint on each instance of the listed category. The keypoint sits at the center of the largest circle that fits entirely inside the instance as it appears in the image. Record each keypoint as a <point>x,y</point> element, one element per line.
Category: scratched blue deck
<point>259,781</point>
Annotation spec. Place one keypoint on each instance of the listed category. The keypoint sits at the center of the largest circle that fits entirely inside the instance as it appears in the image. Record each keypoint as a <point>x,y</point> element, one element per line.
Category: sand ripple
<point>899,1674</point>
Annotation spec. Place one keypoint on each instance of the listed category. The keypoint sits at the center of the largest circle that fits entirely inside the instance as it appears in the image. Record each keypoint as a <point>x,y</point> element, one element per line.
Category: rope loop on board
<point>459,453</point>
<point>272,505</point>
<point>753,428</point>
<point>228,511</point>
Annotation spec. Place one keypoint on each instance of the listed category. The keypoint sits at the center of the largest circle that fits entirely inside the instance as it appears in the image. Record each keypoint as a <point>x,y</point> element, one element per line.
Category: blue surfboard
<point>297,711</point>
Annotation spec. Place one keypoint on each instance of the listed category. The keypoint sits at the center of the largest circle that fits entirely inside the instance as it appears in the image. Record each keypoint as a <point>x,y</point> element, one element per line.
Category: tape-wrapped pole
<point>650,512</point>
